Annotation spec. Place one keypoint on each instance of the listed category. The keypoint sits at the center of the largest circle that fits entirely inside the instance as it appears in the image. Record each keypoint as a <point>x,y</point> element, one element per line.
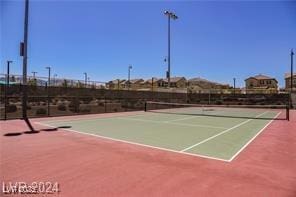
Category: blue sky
<point>213,40</point>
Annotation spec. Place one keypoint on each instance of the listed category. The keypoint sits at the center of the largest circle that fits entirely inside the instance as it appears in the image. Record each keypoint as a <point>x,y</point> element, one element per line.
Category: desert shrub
<point>11,108</point>
<point>85,110</point>
<point>62,107</point>
<point>74,105</point>
<point>29,107</point>
<point>41,111</point>
<point>54,101</point>
<point>102,104</point>
<point>87,100</point>
<point>218,102</point>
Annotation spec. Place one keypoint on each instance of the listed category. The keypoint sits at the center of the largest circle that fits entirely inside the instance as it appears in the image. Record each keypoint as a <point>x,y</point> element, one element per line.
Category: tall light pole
<point>234,85</point>
<point>24,53</point>
<point>85,78</point>
<point>34,74</point>
<point>291,82</point>
<point>129,76</point>
<point>49,69</point>
<point>54,79</point>
<point>48,96</point>
<point>8,72</point>
<point>291,76</point>
<point>170,16</point>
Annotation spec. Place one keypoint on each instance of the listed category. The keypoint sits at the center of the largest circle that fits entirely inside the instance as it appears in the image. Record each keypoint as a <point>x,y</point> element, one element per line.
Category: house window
<point>261,82</point>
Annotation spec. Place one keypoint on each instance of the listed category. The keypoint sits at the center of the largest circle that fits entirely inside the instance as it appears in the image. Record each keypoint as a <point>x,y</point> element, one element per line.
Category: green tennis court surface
<point>214,137</point>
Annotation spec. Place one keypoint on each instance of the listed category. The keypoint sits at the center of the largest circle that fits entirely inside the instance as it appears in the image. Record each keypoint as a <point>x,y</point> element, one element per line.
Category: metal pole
<point>152,84</point>
<point>85,79</point>
<point>234,86</point>
<point>6,90</point>
<point>49,76</point>
<point>8,72</point>
<point>291,80</point>
<point>169,51</point>
<point>34,74</point>
<point>54,79</point>
<point>129,76</point>
<point>48,92</point>
<point>25,58</point>
<point>173,16</point>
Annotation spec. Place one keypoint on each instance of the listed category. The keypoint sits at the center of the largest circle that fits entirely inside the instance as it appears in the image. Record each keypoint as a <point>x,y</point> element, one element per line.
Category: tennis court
<point>215,132</point>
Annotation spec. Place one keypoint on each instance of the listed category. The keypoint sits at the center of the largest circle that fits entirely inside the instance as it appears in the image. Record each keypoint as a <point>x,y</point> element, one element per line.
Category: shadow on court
<point>14,134</point>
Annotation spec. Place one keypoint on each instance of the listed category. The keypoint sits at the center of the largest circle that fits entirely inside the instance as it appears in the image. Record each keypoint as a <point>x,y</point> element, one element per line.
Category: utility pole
<point>170,15</point>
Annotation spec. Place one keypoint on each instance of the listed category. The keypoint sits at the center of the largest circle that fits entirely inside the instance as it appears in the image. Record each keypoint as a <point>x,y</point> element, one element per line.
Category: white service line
<point>225,131</point>
<point>242,148</point>
<point>179,119</point>
<point>201,115</point>
<point>92,119</point>
<point>174,123</point>
<point>138,144</point>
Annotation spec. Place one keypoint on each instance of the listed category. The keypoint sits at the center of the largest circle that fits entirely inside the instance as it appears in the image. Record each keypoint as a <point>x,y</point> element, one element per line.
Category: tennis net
<point>265,112</point>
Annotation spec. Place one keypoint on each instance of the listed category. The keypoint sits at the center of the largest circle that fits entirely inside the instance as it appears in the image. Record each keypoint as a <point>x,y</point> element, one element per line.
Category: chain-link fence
<point>60,101</point>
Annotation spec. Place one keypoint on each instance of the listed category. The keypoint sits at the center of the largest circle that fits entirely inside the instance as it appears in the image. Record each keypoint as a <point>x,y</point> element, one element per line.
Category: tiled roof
<point>261,77</point>
<point>136,80</point>
<point>116,81</point>
<point>154,80</point>
<point>174,79</point>
<point>288,75</point>
<point>198,79</point>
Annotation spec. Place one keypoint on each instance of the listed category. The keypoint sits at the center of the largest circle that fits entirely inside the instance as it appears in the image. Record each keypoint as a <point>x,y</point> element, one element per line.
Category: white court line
<point>138,144</point>
<point>242,148</point>
<point>174,123</point>
<point>92,119</point>
<point>225,131</point>
<point>186,118</point>
<point>201,115</point>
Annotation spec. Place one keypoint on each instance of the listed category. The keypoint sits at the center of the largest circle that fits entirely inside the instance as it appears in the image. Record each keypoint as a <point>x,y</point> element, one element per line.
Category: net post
<point>288,112</point>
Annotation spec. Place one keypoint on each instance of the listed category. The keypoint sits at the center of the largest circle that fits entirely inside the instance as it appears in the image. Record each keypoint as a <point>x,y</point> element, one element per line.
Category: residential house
<point>117,84</point>
<point>176,82</point>
<point>288,82</point>
<point>152,84</point>
<point>134,84</point>
<point>200,85</point>
<point>261,84</point>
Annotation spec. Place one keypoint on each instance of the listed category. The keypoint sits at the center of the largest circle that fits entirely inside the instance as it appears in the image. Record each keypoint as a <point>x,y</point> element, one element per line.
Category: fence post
<point>48,99</point>
<point>5,101</point>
